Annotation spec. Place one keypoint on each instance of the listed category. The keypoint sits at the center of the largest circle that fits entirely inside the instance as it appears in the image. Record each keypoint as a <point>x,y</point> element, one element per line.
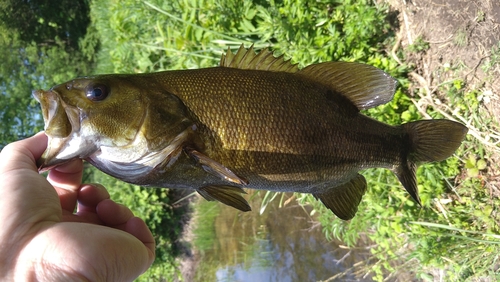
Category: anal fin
<point>229,195</point>
<point>343,200</point>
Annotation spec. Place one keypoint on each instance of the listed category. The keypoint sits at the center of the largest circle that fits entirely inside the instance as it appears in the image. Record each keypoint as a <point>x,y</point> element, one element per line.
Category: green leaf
<point>470,162</point>
<point>406,116</point>
<point>481,164</point>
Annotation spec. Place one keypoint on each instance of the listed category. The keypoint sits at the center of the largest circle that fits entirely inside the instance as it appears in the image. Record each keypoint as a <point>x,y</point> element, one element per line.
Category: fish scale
<point>261,122</point>
<point>255,121</point>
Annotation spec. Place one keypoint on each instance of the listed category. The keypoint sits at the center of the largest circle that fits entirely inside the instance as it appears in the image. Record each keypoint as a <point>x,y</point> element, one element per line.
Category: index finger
<point>67,179</point>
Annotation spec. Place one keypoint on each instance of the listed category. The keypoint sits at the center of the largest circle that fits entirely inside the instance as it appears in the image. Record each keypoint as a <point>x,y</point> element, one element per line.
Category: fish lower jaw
<point>44,164</point>
<point>62,150</point>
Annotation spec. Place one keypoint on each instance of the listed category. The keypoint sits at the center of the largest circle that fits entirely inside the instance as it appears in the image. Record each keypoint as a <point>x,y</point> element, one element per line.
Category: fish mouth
<point>56,119</point>
<point>62,124</point>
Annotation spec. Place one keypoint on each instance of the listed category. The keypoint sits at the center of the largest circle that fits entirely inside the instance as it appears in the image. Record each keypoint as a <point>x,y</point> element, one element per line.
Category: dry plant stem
<point>407,26</point>
<point>346,272</point>
<point>396,46</point>
<point>444,110</point>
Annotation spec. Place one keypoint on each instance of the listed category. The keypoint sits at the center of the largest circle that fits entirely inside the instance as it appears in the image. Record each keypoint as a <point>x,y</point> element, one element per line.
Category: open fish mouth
<point>62,123</point>
<point>57,124</point>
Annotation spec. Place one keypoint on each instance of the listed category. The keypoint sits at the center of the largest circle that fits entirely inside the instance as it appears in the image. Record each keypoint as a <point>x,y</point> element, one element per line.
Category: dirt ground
<point>461,33</point>
<point>462,37</point>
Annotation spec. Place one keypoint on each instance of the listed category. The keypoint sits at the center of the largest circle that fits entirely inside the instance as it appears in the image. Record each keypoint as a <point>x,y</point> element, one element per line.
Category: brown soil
<point>461,35</point>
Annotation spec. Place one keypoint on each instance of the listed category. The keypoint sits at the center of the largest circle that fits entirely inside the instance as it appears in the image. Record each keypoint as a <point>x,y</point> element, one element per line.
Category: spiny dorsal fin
<point>364,85</point>
<point>229,195</point>
<point>344,199</point>
<point>264,60</point>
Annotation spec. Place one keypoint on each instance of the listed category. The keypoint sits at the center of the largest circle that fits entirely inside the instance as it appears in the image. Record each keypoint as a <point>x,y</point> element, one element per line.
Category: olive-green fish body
<point>254,122</point>
<point>281,127</point>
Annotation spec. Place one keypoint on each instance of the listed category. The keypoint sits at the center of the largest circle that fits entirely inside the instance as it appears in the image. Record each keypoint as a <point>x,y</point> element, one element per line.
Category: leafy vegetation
<point>46,24</point>
<point>456,230</point>
<point>25,67</point>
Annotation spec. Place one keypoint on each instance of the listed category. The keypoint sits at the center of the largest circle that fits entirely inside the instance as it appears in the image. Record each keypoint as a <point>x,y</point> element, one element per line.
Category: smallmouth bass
<point>255,121</point>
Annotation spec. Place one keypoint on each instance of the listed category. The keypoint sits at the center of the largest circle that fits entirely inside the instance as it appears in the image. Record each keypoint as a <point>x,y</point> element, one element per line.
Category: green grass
<point>206,212</point>
<point>455,230</point>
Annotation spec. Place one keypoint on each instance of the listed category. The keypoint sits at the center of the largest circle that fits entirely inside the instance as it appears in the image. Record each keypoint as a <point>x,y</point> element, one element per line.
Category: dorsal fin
<point>264,60</point>
<point>364,85</point>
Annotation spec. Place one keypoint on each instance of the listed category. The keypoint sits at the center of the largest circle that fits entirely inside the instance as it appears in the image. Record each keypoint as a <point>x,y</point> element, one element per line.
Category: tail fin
<point>428,141</point>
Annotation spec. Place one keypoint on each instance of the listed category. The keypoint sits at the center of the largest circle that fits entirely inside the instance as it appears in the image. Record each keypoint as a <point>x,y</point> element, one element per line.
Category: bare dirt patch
<point>460,33</point>
<point>462,42</point>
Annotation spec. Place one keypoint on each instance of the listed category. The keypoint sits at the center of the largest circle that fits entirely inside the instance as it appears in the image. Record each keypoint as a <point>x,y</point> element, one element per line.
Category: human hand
<point>42,239</point>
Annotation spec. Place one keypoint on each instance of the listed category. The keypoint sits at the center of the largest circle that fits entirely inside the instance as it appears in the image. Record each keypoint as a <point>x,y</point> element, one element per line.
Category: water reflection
<point>282,244</point>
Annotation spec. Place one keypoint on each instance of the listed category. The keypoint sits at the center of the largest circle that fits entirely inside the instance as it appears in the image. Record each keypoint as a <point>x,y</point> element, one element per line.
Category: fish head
<point>85,114</point>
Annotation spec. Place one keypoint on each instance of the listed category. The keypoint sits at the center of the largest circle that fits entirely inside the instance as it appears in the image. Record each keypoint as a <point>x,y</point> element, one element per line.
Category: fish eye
<point>97,92</point>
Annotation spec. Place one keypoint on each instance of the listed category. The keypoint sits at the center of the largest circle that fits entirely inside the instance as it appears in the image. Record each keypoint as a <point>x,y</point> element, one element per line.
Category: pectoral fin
<point>343,200</point>
<point>215,168</point>
<point>229,195</point>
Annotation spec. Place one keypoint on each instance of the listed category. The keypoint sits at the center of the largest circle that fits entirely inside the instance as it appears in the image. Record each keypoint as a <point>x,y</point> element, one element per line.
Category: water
<point>282,244</point>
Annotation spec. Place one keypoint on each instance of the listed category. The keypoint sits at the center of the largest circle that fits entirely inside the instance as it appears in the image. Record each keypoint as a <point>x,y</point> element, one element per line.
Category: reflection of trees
<point>236,233</point>
<point>281,242</point>
<point>302,252</point>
